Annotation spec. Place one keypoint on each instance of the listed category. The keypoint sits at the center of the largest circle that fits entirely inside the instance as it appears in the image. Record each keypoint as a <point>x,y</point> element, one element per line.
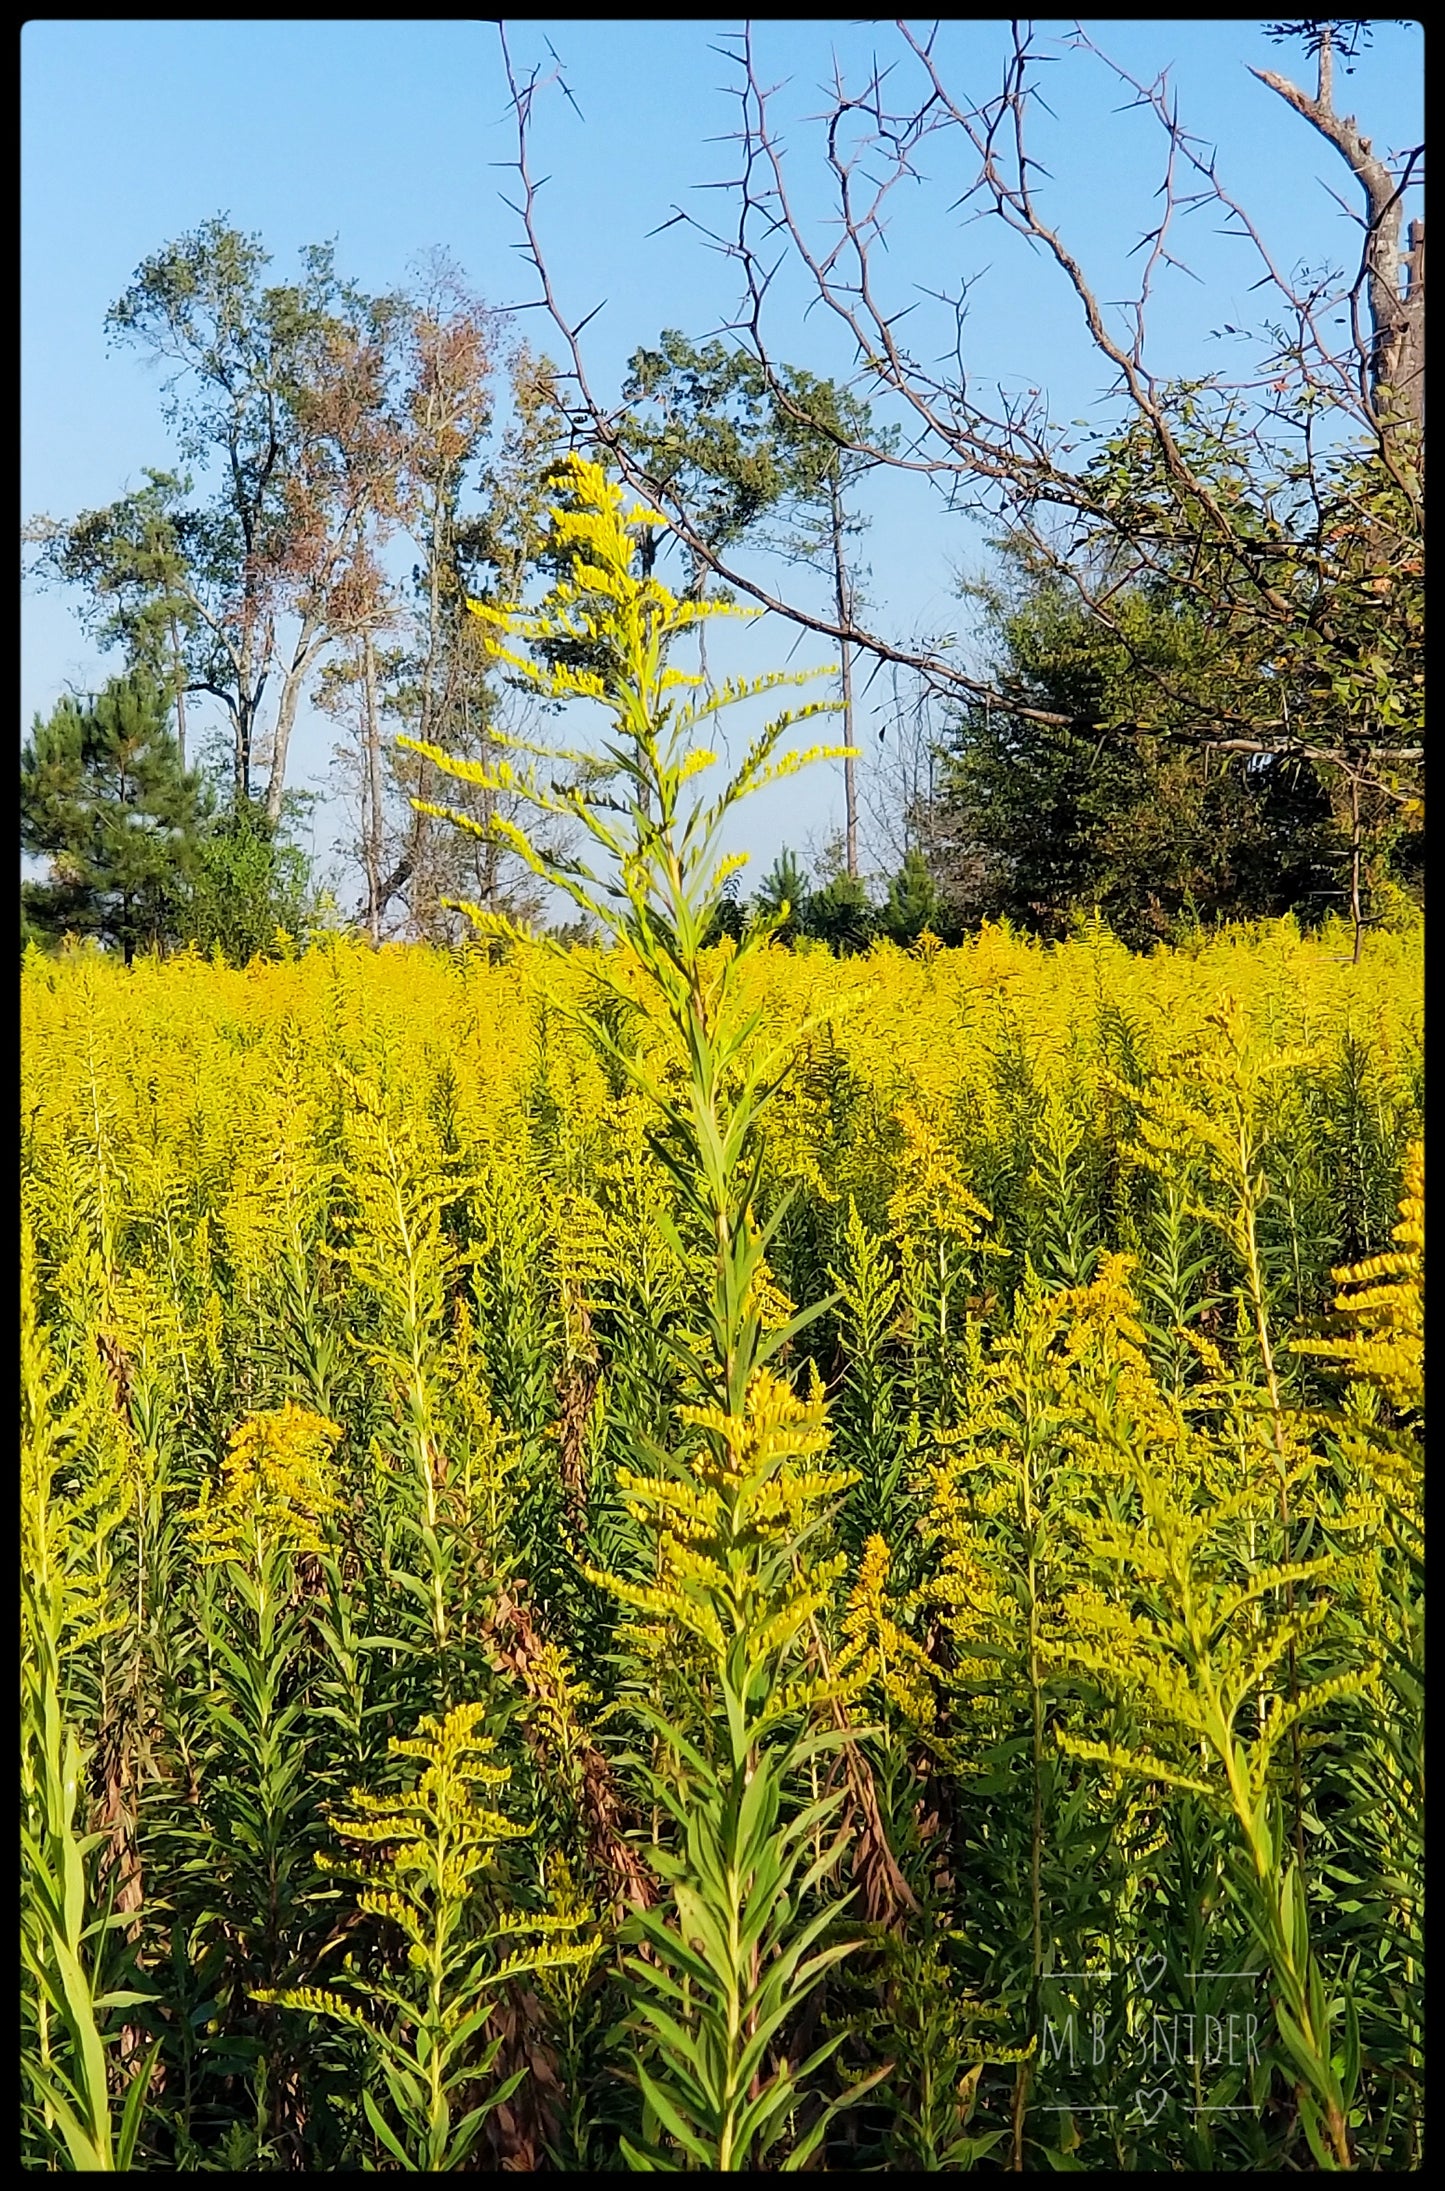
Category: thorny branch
<point>1263,556</point>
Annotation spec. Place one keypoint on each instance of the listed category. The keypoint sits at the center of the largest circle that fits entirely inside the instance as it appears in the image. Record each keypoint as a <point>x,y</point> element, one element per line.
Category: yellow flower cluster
<point>877,1649</point>
<point>931,1194</point>
<point>749,1486</point>
<point>277,1488</point>
<point>437,1832</point>
<point>1384,1298</point>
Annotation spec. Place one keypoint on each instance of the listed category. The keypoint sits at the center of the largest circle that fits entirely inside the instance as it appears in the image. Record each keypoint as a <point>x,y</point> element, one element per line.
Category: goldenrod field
<point>392,1212</point>
<point>693,1556</point>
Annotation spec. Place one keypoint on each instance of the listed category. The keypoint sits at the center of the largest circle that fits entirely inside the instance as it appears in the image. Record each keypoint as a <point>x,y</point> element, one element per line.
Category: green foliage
<point>66,1532</point>
<point>104,798</point>
<point>1039,822</point>
<point>871,1438</point>
<point>913,2006</point>
<point>783,896</point>
<point>245,884</point>
<point>841,915</point>
<point>914,902</point>
<point>129,563</point>
<point>432,1846</point>
<point>735,446</point>
<point>727,1974</point>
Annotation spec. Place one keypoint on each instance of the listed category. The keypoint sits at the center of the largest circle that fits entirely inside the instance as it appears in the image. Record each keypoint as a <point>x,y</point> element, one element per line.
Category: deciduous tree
<point>277,395</point>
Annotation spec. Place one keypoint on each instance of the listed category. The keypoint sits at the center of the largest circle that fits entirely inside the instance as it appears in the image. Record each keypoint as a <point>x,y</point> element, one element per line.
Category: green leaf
<point>670,2116</point>
<point>136,2096</point>
<point>386,2134</point>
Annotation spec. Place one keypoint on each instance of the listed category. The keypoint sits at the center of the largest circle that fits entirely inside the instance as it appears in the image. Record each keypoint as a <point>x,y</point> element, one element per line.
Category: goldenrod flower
<point>1384,1297</point>
<point>277,1487</point>
<point>879,1650</point>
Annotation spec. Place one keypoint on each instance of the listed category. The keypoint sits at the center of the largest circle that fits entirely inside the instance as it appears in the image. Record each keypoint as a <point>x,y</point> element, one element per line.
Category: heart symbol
<point>1151,2105</point>
<point>1149,1971</point>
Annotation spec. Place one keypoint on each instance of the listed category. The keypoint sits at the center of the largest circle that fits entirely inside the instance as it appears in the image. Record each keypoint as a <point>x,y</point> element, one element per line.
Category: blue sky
<point>392,137</point>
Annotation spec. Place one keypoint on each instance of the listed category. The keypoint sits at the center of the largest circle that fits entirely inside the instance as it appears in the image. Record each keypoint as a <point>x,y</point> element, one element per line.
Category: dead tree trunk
<point>1394,279</point>
<point>178,672</point>
<point>308,646</point>
<point>840,580</point>
<point>373,817</point>
<point>1357,840</point>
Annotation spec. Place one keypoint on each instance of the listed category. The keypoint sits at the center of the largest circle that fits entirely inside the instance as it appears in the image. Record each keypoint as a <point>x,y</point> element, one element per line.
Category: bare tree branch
<point>1248,551</point>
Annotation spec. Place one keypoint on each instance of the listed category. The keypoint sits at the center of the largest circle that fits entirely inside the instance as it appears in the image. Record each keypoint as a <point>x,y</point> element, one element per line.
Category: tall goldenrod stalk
<point>276,1495</point>
<point>1228,1133</point>
<point>63,1608</point>
<point>1182,1639</point>
<point>732,1497</point>
<point>430,1847</point>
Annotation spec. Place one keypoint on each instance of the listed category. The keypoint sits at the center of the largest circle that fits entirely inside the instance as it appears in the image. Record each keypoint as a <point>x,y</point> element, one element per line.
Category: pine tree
<point>104,798</point>
<point>785,884</point>
<point>913,902</point>
<point>842,915</point>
